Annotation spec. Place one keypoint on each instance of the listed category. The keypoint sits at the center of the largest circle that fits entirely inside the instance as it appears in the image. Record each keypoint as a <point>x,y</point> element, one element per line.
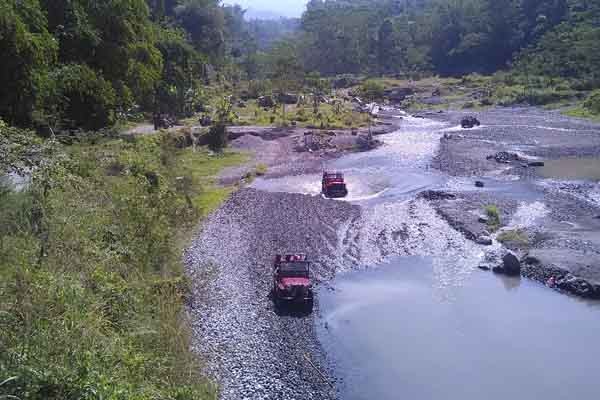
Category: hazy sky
<point>288,8</point>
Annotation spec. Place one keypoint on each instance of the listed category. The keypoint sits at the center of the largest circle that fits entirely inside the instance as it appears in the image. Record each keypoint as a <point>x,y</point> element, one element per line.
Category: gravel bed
<point>249,349</point>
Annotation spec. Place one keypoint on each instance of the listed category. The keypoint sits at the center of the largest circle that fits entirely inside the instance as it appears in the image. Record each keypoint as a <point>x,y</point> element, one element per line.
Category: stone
<point>479,184</point>
<point>483,219</point>
<point>504,157</point>
<point>469,122</point>
<point>484,267</point>
<point>484,240</point>
<point>511,264</point>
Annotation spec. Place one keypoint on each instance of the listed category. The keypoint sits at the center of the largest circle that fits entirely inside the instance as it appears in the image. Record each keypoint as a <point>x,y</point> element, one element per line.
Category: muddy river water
<point>422,322</point>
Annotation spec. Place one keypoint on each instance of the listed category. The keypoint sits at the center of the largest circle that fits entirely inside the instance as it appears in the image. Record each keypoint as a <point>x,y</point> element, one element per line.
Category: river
<point>419,320</point>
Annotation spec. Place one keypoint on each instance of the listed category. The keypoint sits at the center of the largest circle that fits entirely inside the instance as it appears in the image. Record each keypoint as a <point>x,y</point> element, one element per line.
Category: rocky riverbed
<point>553,218</point>
<point>417,197</point>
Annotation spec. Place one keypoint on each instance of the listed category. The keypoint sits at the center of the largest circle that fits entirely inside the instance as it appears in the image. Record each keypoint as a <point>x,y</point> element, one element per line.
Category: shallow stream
<point>420,321</point>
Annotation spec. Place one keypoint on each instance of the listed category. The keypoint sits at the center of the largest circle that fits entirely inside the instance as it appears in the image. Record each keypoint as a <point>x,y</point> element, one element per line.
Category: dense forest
<point>84,64</point>
<point>451,37</point>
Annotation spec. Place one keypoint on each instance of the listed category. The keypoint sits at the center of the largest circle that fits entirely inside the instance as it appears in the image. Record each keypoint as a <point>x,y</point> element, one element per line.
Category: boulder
<point>484,267</point>
<point>266,101</point>
<point>287,98</point>
<point>504,157</point>
<point>479,184</point>
<point>511,264</point>
<point>469,122</point>
<point>484,240</point>
<point>483,219</point>
<point>578,286</point>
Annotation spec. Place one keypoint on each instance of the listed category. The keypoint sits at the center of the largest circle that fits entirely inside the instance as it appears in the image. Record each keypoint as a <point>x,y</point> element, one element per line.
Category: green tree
<point>218,135</point>
<point>285,69</point>
<point>318,87</point>
<point>27,51</point>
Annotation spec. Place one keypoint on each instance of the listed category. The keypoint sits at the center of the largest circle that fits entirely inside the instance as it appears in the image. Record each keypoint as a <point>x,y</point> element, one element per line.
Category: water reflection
<point>510,283</point>
<point>496,337</point>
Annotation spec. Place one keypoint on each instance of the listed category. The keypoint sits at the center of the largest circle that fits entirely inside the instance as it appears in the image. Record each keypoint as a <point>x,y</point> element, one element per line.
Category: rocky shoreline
<point>560,247</point>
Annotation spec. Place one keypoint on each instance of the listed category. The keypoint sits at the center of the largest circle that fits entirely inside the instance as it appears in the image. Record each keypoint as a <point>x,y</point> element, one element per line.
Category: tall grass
<point>91,280</point>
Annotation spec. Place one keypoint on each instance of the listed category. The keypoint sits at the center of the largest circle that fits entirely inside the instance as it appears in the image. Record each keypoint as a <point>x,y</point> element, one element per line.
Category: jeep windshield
<point>295,269</point>
<point>336,186</point>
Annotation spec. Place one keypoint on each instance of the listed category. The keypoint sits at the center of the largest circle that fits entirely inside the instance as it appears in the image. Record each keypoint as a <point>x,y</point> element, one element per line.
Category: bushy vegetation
<point>91,281</point>
<point>514,236</point>
<point>339,115</point>
<point>79,64</point>
<point>593,102</point>
<point>493,215</point>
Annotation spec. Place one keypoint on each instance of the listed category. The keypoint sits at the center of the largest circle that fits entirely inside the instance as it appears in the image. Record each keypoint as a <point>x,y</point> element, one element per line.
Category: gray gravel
<point>250,350</point>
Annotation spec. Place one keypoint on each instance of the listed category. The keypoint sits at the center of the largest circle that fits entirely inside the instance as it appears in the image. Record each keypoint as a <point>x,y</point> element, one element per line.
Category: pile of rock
<point>504,157</point>
<point>469,122</point>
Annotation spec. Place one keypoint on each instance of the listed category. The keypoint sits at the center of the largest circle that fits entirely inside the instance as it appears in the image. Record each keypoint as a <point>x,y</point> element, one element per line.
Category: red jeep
<point>291,280</point>
<point>333,185</point>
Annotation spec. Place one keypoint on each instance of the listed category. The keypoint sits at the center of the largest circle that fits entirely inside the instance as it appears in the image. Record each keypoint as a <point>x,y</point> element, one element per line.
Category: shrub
<point>91,283</point>
<point>516,236</point>
<point>372,90</point>
<point>261,169</point>
<point>593,102</point>
<point>493,217</point>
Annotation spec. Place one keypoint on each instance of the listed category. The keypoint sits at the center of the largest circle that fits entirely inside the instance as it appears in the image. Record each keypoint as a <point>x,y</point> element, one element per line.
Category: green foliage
<point>91,280</point>
<point>259,87</point>
<point>372,90</point>
<point>493,217</point>
<point>135,57</point>
<point>515,236</point>
<point>81,97</point>
<point>330,116</point>
<point>261,169</point>
<point>26,49</point>
<point>217,134</point>
<point>593,102</point>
